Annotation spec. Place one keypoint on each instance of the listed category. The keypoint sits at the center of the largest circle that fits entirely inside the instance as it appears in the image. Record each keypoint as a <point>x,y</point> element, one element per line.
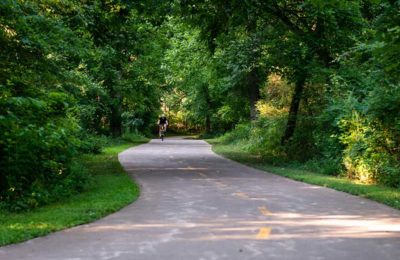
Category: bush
<point>265,139</point>
<point>261,137</point>
<point>37,148</point>
<point>35,161</point>
<point>368,156</point>
<point>240,133</point>
<point>134,137</point>
<point>302,146</point>
<point>89,143</point>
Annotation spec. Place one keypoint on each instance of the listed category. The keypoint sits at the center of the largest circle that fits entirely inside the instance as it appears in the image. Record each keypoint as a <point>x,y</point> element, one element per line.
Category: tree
<point>38,135</point>
<point>321,28</point>
<point>69,69</point>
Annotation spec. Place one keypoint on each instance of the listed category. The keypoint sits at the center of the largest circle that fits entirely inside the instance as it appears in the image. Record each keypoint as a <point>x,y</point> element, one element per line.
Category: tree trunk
<point>208,115</point>
<point>116,120</point>
<point>208,106</point>
<point>294,109</point>
<point>254,92</point>
<point>208,124</point>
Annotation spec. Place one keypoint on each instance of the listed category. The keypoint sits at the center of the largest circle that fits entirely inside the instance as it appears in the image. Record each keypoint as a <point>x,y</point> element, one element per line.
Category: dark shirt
<point>162,120</point>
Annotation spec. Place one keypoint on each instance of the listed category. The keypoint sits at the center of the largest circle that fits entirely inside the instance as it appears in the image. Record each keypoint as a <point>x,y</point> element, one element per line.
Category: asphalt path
<point>195,204</point>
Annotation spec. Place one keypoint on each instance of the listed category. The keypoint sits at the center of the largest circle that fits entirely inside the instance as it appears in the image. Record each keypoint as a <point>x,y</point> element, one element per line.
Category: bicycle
<point>162,132</point>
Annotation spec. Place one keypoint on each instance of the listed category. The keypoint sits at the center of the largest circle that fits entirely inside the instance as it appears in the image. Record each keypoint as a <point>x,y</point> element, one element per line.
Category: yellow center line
<point>241,195</point>
<point>264,211</point>
<point>263,233</point>
<point>221,184</point>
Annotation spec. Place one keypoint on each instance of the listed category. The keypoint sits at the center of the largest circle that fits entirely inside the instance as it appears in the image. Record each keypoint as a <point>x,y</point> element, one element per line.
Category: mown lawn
<point>382,194</point>
<point>109,190</point>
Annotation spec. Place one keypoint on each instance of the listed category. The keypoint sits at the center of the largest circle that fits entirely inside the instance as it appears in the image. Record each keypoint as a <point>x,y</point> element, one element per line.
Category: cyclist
<point>162,124</point>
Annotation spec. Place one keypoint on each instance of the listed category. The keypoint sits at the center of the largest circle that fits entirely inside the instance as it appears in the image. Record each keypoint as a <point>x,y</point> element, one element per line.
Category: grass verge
<point>109,190</point>
<point>382,194</point>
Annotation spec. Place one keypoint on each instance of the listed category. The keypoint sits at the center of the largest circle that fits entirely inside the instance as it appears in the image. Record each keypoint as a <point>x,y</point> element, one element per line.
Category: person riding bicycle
<point>162,123</point>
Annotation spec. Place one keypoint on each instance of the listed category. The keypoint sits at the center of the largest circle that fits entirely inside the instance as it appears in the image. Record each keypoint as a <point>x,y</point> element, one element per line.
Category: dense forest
<point>307,81</point>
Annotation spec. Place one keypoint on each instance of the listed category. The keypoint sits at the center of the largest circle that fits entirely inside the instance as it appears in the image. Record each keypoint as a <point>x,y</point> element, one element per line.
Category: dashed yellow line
<point>241,195</point>
<point>264,211</point>
<point>220,184</point>
<point>263,233</point>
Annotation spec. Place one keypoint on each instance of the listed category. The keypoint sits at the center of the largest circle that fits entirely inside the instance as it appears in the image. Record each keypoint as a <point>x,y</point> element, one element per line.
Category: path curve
<point>198,205</point>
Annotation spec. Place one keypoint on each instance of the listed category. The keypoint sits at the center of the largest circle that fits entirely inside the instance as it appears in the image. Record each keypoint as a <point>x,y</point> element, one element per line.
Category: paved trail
<point>197,205</point>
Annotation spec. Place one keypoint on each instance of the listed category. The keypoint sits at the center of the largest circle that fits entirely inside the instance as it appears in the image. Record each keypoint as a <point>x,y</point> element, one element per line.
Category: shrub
<point>367,155</point>
<point>239,133</point>
<point>261,137</point>
<point>89,143</point>
<point>37,149</point>
<point>134,137</point>
<point>302,146</point>
<point>265,138</point>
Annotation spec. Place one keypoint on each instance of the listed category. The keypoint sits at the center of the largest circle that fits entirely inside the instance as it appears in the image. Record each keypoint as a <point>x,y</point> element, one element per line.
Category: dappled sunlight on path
<point>283,225</point>
<point>197,205</point>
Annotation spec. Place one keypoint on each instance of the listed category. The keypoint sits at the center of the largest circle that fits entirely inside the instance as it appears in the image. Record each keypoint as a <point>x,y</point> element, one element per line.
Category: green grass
<point>109,190</point>
<point>382,194</point>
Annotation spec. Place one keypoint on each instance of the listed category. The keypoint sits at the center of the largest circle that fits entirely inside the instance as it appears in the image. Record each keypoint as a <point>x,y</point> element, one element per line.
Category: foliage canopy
<point>311,81</point>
